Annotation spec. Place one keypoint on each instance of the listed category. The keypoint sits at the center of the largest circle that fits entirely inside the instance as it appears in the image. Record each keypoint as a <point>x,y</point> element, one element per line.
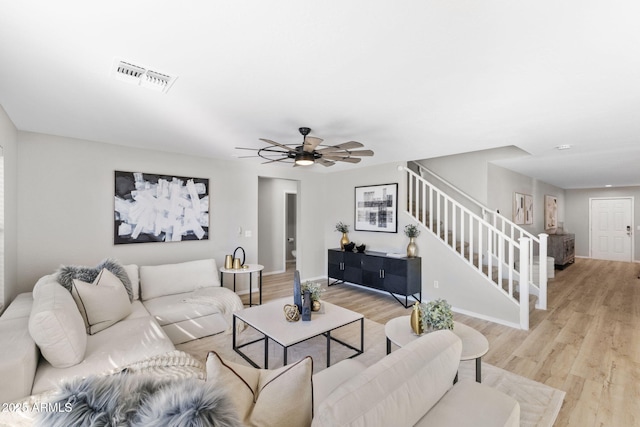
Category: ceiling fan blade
<point>344,146</point>
<point>350,159</point>
<point>268,141</point>
<point>310,143</point>
<point>245,148</point>
<point>324,162</point>
<point>361,153</point>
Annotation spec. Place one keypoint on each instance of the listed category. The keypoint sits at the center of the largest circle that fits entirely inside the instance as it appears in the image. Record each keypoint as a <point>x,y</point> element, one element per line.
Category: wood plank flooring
<point>587,343</point>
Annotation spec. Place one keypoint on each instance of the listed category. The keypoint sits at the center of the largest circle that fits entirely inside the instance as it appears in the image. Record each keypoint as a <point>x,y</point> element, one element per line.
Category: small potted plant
<point>344,229</point>
<point>412,231</point>
<point>436,315</point>
<point>315,291</point>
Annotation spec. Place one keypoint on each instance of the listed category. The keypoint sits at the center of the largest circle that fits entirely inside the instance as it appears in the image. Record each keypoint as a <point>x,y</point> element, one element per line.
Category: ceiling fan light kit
<point>309,153</point>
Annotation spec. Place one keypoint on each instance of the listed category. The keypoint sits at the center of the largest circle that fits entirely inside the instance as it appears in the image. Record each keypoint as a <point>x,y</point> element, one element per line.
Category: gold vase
<point>416,320</point>
<point>412,248</point>
<point>344,240</point>
<point>315,305</point>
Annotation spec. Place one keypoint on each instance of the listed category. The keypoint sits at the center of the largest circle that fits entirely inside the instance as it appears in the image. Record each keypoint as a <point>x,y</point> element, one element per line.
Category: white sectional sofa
<point>44,339</point>
<point>413,386</point>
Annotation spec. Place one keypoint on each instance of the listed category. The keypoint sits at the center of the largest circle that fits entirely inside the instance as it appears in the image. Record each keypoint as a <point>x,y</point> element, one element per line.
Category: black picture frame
<point>376,208</point>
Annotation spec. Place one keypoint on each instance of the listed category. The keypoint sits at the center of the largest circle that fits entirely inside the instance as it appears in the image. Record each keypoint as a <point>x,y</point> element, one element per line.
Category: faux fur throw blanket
<point>225,300</point>
<point>140,400</point>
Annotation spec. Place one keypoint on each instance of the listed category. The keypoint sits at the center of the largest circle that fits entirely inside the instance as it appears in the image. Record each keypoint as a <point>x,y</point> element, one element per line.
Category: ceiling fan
<point>310,151</point>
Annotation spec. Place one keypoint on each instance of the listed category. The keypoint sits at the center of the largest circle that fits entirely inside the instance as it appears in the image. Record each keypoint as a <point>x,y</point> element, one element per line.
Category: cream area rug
<point>539,403</point>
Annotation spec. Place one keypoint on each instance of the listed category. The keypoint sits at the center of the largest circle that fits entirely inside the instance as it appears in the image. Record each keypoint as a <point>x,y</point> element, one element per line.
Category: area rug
<point>539,403</point>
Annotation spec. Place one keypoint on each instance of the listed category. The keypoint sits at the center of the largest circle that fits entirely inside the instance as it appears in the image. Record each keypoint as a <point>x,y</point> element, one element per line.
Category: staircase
<point>488,242</point>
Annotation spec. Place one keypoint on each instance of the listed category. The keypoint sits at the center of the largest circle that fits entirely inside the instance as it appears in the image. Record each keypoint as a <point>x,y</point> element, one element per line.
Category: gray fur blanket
<point>139,400</point>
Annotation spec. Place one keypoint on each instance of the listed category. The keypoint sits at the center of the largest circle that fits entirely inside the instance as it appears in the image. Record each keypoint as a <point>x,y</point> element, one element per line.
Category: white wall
<point>271,221</point>
<point>9,143</point>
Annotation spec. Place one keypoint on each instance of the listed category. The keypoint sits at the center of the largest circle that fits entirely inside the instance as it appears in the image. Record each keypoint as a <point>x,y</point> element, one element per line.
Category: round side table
<point>251,268</point>
<point>474,344</point>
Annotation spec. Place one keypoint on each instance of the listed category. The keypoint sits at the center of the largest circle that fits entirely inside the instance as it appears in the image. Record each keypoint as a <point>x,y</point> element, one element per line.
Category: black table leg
<point>479,369</point>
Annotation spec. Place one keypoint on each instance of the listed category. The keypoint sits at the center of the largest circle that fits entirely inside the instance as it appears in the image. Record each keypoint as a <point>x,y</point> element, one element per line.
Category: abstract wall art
<point>376,208</point>
<point>160,208</point>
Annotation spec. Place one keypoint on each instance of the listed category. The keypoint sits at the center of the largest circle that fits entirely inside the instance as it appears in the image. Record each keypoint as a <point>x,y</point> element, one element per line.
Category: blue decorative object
<point>297,292</point>
<point>306,306</point>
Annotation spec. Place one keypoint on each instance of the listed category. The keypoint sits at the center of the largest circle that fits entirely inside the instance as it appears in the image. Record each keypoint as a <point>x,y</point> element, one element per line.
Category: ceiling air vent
<point>142,76</point>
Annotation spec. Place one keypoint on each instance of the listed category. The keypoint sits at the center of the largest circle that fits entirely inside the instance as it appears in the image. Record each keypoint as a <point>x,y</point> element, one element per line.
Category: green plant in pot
<point>436,315</point>
<point>315,290</point>
<point>344,229</point>
<point>412,231</point>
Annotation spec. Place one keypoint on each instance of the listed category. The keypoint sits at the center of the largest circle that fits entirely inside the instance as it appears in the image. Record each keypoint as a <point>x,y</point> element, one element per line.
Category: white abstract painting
<point>160,208</point>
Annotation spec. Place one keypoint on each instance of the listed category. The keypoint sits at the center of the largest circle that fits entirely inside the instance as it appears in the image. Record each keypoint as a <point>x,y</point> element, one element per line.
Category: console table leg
<point>479,369</point>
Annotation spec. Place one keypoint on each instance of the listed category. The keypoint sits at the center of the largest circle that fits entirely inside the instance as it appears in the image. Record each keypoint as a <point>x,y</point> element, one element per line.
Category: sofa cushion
<point>67,273</point>
<point>130,340</point>
<point>55,324</point>
<point>263,397</point>
<point>490,408</point>
<point>173,309</point>
<point>169,279</point>
<point>101,303</point>
<point>399,389</point>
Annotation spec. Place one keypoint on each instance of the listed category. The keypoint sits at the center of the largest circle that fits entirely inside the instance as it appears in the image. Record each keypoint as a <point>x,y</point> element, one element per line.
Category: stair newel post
<point>542,252</point>
<point>524,282</point>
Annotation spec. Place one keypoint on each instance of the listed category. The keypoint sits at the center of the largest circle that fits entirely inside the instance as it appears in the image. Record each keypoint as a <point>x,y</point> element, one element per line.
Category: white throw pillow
<point>101,303</point>
<point>266,397</point>
<point>56,326</point>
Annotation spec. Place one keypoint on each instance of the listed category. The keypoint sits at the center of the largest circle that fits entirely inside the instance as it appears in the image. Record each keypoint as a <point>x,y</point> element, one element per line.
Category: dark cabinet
<point>562,248</point>
<point>398,276</point>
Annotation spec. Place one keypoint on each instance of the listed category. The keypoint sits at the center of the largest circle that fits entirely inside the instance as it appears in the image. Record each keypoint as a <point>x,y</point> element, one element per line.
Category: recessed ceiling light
<point>608,185</point>
<point>563,147</point>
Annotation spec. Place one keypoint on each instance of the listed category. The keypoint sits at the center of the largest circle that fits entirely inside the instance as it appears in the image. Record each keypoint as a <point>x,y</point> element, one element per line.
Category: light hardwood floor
<point>586,342</point>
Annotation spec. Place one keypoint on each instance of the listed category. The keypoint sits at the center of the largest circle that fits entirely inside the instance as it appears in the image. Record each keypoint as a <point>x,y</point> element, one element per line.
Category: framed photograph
<point>518,208</point>
<point>159,208</point>
<point>376,208</point>
<point>528,209</point>
<point>550,213</point>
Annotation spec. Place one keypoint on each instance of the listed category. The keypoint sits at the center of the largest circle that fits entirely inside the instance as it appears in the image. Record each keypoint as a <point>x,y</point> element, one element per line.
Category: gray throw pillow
<point>67,273</point>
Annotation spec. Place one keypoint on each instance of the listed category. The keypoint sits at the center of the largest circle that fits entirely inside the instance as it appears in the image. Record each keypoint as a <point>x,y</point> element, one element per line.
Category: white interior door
<point>611,229</point>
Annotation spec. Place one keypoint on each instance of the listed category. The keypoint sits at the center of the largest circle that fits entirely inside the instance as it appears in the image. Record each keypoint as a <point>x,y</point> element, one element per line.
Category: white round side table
<point>474,344</point>
<point>251,268</point>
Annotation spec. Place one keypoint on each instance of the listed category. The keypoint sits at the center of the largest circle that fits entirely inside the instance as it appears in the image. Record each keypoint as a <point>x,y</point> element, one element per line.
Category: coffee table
<point>269,320</point>
<point>474,344</point>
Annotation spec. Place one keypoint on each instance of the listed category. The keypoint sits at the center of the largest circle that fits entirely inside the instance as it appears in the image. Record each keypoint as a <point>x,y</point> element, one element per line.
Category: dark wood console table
<point>398,276</point>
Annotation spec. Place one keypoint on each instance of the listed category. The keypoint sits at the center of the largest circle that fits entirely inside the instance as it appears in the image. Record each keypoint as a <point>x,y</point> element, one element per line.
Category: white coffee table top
<point>269,319</point>
<point>474,344</point>
<point>251,268</point>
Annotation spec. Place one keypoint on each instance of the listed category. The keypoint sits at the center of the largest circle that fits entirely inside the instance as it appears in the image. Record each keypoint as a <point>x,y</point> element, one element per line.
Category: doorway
<point>611,228</point>
<point>290,224</point>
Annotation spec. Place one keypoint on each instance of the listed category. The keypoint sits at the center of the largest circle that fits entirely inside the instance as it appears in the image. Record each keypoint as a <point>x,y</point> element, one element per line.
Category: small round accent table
<point>474,344</point>
<point>251,268</point>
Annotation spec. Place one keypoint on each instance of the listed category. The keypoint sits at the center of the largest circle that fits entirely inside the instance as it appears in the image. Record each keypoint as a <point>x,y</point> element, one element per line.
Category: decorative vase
<point>344,240</point>
<point>306,306</point>
<point>412,248</point>
<point>297,291</point>
<point>315,305</point>
<point>416,320</point>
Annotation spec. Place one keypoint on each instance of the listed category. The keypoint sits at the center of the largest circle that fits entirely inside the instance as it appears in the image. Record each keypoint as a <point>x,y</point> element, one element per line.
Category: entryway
<point>611,230</point>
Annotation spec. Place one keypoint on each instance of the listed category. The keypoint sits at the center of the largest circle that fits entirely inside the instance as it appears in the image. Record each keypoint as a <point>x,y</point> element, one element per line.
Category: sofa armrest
<point>18,359</point>
<point>325,381</point>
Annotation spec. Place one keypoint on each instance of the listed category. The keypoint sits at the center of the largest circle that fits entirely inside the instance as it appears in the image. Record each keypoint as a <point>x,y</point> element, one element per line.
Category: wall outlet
<point>248,233</point>
<point>436,284</point>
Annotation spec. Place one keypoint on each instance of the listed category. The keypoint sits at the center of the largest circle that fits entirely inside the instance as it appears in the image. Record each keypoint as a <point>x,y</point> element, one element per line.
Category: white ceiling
<point>410,80</point>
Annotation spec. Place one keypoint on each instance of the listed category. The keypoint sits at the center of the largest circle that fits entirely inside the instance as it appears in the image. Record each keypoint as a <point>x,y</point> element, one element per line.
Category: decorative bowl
<point>349,247</point>
<point>361,248</point>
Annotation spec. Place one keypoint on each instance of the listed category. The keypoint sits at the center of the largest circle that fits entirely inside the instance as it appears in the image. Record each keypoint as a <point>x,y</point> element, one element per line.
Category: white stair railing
<point>485,247</point>
<point>537,244</point>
